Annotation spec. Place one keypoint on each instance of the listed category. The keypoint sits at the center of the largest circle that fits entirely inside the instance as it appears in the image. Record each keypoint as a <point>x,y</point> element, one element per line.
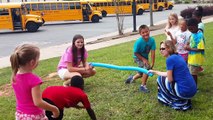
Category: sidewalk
<point>97,42</point>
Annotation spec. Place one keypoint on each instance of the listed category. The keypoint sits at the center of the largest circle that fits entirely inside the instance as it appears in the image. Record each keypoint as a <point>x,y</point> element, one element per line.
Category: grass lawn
<point>111,99</point>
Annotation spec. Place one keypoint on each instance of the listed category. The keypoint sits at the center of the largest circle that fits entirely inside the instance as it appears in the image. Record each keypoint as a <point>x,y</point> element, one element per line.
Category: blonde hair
<point>22,55</point>
<point>171,47</point>
<point>169,25</point>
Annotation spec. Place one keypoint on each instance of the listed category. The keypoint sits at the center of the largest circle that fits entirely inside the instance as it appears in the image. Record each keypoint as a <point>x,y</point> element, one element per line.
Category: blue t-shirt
<point>181,75</point>
<point>143,47</point>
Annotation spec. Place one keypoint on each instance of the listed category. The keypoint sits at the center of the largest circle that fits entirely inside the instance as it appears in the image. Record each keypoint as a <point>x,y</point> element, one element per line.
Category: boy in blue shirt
<point>142,47</point>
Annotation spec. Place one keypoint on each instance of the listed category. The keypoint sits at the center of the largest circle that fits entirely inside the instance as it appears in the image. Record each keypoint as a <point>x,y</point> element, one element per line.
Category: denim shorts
<point>141,65</point>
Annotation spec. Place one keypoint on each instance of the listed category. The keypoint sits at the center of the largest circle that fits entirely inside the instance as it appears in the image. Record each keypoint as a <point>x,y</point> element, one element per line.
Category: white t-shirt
<point>182,39</point>
<point>173,31</point>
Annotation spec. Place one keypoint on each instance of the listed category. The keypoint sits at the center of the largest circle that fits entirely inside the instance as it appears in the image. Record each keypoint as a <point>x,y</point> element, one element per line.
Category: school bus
<point>169,4</point>
<point>13,16</point>
<point>111,7</point>
<point>158,5</point>
<point>64,11</point>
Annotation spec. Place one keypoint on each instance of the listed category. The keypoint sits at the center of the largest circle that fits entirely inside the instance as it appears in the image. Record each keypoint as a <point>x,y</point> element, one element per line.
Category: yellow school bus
<point>111,7</point>
<point>64,11</point>
<point>13,16</point>
<point>158,5</point>
<point>169,4</point>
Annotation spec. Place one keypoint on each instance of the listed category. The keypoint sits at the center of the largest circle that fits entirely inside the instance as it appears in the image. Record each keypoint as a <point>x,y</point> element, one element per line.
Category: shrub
<point>187,13</point>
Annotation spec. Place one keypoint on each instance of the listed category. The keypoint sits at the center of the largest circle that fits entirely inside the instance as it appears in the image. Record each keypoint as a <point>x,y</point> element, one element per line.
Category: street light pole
<point>151,13</point>
<point>134,15</point>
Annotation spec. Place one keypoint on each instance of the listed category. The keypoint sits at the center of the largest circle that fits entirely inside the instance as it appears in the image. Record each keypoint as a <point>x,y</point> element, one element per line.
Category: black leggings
<point>49,113</point>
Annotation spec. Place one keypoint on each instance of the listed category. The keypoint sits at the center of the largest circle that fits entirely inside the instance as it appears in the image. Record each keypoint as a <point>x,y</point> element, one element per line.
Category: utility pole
<point>134,15</point>
<point>151,12</point>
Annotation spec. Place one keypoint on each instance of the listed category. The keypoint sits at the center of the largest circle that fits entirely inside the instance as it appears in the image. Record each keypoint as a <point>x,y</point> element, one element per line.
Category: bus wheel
<point>140,12</point>
<point>32,27</point>
<point>104,13</point>
<point>170,7</point>
<point>95,19</point>
<point>160,8</point>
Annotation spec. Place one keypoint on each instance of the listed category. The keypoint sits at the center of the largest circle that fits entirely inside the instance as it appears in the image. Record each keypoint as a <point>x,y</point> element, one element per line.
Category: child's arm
<point>145,61</point>
<point>91,113</point>
<point>153,58</point>
<point>37,100</point>
<point>75,69</point>
<point>172,38</point>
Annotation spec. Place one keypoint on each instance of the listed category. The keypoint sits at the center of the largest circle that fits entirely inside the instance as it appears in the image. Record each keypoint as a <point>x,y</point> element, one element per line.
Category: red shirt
<point>66,96</point>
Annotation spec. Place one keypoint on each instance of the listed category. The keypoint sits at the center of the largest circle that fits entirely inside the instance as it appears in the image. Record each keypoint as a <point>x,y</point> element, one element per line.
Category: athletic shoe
<point>129,80</point>
<point>143,89</point>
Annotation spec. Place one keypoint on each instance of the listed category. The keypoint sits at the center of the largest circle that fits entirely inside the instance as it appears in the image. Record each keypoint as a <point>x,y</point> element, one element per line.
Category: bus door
<point>5,19</point>
<point>16,17</point>
<point>155,5</point>
<point>86,12</point>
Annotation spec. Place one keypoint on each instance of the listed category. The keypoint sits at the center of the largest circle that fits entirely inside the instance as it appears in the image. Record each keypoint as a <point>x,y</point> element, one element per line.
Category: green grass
<point>111,99</point>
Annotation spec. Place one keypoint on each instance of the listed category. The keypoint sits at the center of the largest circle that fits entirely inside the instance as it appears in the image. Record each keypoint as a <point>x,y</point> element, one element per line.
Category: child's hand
<point>56,113</point>
<point>187,47</point>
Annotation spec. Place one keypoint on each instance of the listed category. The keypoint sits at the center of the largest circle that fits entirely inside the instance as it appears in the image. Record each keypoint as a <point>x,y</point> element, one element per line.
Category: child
<point>172,26</point>
<point>198,14</point>
<point>26,85</point>
<point>195,48</point>
<point>142,47</point>
<point>181,39</point>
<point>74,61</point>
<point>65,97</point>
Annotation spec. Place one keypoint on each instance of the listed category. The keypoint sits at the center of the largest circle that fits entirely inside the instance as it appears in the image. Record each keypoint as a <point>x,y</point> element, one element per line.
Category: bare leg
<point>136,76</point>
<point>68,76</point>
<point>144,79</point>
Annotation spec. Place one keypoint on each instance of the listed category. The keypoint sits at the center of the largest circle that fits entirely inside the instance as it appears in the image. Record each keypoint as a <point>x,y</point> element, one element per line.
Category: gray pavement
<point>98,42</point>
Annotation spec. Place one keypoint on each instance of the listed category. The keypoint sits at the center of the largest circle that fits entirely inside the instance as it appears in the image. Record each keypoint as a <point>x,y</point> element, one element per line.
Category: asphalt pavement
<point>99,42</point>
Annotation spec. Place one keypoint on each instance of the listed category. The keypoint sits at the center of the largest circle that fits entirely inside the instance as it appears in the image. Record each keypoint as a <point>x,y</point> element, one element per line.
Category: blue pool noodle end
<point>122,68</point>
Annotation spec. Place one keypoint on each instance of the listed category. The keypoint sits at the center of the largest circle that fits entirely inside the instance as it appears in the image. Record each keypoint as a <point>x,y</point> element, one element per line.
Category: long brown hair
<point>75,50</point>
<point>22,55</point>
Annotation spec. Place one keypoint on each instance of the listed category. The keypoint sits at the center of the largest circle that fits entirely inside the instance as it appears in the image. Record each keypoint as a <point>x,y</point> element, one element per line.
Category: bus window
<point>66,6</point>
<point>128,3</point>
<point>105,3</point>
<point>72,6</point>
<point>47,6</point>
<point>109,4</point>
<point>28,7</point>
<point>34,7</point>
<point>59,6</point>
<point>4,11</point>
<point>40,7</point>
<point>53,6</point>
<point>78,5</point>
<point>101,4</point>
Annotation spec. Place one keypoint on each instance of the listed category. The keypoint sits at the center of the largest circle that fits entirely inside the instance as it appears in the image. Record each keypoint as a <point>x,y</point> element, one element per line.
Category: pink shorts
<point>23,116</point>
<point>185,56</point>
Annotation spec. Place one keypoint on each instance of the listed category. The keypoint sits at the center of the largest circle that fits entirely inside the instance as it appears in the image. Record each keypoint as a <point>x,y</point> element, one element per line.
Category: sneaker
<point>201,69</point>
<point>143,89</point>
<point>129,80</point>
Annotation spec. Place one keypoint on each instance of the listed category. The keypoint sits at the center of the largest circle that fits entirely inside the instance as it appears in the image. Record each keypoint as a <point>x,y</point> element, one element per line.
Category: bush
<point>187,13</point>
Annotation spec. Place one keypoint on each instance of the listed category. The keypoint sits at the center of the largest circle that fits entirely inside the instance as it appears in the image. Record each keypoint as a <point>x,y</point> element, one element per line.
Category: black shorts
<point>49,113</point>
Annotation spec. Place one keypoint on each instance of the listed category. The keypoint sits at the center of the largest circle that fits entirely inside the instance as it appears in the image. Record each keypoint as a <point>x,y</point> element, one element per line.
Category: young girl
<point>181,38</point>
<point>74,61</point>
<point>26,85</point>
<point>172,26</point>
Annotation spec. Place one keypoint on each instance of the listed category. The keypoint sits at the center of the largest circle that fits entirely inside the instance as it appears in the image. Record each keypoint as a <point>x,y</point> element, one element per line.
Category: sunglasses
<point>162,48</point>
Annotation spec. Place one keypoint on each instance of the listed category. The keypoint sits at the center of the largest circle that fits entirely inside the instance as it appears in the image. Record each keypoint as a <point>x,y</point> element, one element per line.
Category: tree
<point>119,16</point>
